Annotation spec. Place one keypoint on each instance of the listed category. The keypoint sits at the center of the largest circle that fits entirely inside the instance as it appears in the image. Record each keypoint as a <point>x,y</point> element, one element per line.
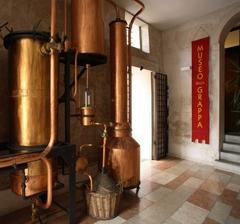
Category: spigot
<point>47,48</point>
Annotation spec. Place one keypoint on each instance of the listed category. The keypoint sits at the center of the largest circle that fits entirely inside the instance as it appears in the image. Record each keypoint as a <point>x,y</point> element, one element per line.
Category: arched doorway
<point>232,85</point>
<point>229,115</point>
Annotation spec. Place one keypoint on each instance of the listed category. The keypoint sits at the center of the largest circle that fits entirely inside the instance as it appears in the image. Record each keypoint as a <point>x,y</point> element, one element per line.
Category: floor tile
<point>87,220</point>
<point>203,199</point>
<point>173,191</point>
<point>166,164</point>
<point>193,182</point>
<point>233,187</point>
<point>232,220</point>
<point>220,212</point>
<point>203,173</point>
<point>117,220</point>
<point>163,209</point>
<point>235,179</point>
<point>220,177</point>
<point>224,172</point>
<point>236,210</point>
<point>179,180</point>
<point>130,207</point>
<point>147,187</point>
<point>177,170</point>
<point>190,213</point>
<point>213,187</point>
<point>238,197</point>
<point>158,194</point>
<point>209,221</point>
<point>228,197</point>
<point>141,220</point>
<point>171,221</point>
<point>162,178</point>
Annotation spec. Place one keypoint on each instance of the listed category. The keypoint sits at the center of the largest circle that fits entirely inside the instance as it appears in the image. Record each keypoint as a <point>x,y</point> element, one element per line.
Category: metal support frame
<point>68,153</point>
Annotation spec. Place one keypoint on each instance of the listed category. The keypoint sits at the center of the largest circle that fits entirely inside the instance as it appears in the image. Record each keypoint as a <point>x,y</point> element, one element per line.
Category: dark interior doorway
<point>232,82</point>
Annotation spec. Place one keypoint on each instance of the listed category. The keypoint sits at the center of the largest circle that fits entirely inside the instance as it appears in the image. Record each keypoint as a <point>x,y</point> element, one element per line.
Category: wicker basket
<point>103,206</point>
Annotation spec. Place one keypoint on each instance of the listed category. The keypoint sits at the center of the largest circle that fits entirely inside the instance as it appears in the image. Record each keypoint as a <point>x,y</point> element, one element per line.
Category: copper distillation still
<point>23,95</point>
<point>33,95</point>
<point>124,158</point>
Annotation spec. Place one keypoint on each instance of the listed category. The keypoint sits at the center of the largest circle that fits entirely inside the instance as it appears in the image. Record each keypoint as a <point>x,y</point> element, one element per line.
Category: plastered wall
<point>177,54</point>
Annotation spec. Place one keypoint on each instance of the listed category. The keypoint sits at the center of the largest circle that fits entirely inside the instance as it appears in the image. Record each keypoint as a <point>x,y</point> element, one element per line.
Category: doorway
<point>142,110</point>
<point>232,82</point>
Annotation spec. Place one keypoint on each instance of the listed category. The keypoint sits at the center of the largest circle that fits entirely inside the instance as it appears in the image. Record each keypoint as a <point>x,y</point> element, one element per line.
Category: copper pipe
<point>49,185</point>
<point>130,59</point>
<point>53,17</point>
<point>90,180</point>
<point>65,18</point>
<point>81,147</point>
<point>66,43</point>
<point>53,84</point>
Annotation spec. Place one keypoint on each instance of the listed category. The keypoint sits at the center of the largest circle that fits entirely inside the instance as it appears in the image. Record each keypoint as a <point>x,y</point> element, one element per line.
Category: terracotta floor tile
<point>203,199</point>
<point>210,221</point>
<point>228,197</point>
<point>163,165</point>
<point>235,212</point>
<point>213,187</point>
<point>174,184</point>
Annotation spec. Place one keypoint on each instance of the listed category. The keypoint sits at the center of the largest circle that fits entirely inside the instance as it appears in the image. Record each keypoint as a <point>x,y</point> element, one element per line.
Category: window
<point>140,34</point>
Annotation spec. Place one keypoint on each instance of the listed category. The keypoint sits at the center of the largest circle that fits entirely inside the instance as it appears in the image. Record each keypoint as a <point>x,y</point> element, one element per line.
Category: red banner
<point>200,100</point>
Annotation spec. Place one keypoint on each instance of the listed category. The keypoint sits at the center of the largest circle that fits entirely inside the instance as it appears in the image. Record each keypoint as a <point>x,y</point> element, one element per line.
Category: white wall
<point>177,53</point>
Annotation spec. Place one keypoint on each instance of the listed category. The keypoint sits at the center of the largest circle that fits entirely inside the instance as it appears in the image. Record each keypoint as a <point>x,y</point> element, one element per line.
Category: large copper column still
<point>124,150</point>
<point>87,34</point>
<point>29,89</point>
<point>29,82</point>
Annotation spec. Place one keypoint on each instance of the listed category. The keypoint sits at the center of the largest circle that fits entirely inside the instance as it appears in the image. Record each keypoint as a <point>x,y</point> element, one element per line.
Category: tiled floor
<point>175,191</point>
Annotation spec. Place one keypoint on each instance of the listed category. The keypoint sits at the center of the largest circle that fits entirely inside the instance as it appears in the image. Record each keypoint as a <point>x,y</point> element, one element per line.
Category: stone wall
<point>177,54</point>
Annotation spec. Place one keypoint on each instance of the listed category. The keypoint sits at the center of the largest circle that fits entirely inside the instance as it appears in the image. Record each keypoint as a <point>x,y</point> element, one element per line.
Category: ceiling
<point>164,14</point>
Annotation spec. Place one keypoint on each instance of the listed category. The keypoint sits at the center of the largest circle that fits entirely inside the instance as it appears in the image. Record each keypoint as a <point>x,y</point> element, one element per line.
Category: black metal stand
<point>68,153</point>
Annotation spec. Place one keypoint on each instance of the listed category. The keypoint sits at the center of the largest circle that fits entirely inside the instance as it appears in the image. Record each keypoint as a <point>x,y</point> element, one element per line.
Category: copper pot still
<point>124,153</point>
<point>87,26</point>
<point>29,95</point>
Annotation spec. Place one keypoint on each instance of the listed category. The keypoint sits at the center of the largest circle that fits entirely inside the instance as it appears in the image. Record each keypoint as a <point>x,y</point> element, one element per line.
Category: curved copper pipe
<point>130,57</point>
<point>90,180</point>
<point>49,186</point>
<point>83,146</point>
